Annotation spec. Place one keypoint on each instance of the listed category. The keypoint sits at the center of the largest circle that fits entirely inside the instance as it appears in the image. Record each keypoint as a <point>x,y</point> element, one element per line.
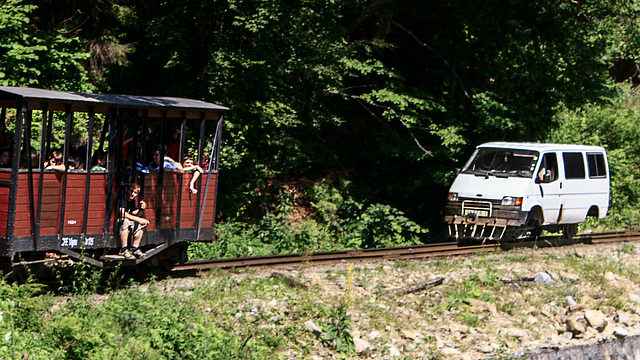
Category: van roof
<point>541,146</point>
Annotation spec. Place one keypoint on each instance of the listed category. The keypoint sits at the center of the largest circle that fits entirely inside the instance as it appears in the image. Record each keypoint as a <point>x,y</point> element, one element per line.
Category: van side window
<point>573,165</point>
<point>597,167</point>
<point>548,171</point>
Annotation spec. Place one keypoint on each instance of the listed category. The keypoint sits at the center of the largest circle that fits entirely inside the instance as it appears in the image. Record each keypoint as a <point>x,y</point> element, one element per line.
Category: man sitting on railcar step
<point>132,223</point>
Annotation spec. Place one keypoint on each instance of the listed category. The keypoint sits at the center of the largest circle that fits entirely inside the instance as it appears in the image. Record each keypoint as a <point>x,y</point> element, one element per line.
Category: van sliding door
<point>576,190</point>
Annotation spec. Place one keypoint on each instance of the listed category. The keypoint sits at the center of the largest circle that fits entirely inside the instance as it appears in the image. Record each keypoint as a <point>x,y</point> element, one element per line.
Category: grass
<point>251,315</point>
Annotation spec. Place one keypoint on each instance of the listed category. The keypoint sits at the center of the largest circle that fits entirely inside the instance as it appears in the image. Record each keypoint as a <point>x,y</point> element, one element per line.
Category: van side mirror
<point>457,171</point>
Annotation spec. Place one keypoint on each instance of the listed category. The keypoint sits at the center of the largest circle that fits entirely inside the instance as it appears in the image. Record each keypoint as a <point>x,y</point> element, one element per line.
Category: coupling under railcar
<point>74,209</point>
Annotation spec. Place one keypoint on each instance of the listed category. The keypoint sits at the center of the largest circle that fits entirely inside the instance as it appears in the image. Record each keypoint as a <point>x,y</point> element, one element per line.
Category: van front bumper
<point>482,219</point>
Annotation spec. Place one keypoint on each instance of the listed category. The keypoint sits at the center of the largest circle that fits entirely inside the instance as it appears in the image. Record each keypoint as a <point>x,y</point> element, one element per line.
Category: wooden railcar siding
<point>75,196</point>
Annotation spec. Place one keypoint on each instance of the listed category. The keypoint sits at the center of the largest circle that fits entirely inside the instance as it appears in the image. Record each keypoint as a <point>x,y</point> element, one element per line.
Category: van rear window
<point>596,164</point>
<point>573,165</point>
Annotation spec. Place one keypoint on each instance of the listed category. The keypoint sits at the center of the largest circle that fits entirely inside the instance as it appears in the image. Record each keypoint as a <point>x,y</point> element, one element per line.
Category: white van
<point>514,190</point>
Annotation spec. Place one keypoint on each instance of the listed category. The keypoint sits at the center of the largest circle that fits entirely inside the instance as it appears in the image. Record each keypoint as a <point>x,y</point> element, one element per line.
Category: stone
<point>542,278</point>
<point>393,351</point>
<point>311,326</point>
<point>596,319</point>
<point>576,325</point>
<point>449,351</point>
<point>478,306</point>
<point>411,335</point>
<point>623,318</point>
<point>361,345</point>
<point>515,332</point>
<point>373,336</point>
<point>620,333</point>
<point>569,301</point>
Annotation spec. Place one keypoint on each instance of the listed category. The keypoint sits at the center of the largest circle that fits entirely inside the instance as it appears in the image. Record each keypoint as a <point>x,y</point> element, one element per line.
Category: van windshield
<point>502,162</point>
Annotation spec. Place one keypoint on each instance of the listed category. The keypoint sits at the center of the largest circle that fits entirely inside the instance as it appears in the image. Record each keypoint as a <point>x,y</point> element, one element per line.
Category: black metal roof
<point>106,100</point>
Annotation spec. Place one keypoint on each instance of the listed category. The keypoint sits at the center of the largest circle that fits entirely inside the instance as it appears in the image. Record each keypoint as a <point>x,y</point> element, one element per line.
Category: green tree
<point>29,57</point>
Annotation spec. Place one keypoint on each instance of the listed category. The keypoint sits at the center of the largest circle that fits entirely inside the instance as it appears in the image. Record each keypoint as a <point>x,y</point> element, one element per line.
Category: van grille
<point>479,208</point>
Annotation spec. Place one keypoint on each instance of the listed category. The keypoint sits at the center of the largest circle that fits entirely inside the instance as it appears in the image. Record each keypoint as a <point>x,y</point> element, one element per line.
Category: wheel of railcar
<point>569,231</point>
<point>176,254</point>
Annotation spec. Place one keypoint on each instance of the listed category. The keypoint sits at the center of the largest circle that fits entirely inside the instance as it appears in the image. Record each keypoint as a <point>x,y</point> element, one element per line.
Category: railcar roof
<point>542,146</point>
<point>102,103</point>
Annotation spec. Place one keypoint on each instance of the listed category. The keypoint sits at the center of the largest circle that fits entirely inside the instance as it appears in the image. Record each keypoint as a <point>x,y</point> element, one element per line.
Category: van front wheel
<point>569,231</point>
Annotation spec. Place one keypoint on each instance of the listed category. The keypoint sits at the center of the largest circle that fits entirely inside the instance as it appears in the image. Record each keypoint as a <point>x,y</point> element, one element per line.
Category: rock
<point>569,301</point>
<point>620,333</point>
<point>478,306</point>
<point>361,345</point>
<point>596,319</point>
<point>393,352</point>
<point>514,332</point>
<point>311,326</point>
<point>634,297</point>
<point>576,325</point>
<point>411,335</point>
<point>373,336</point>
<point>542,278</point>
<point>622,318</point>
<point>449,351</point>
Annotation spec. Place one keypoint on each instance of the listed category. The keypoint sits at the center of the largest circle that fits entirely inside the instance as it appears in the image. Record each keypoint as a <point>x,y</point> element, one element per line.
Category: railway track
<point>400,253</point>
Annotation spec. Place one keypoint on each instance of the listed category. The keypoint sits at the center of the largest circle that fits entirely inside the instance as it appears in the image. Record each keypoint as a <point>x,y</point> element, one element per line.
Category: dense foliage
<point>385,96</point>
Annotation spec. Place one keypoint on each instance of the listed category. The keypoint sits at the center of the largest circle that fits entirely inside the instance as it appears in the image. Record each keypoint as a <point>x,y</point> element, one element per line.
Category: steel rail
<point>401,253</point>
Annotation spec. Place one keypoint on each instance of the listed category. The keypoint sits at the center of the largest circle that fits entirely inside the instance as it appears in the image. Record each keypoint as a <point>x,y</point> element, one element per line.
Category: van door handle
<point>560,185</point>
<point>541,191</point>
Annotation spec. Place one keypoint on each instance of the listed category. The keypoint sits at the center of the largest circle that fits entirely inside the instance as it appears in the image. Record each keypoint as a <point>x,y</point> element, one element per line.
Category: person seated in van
<point>189,166</point>
<point>503,162</point>
<point>132,223</point>
<point>168,163</point>
<point>55,161</point>
<point>99,162</point>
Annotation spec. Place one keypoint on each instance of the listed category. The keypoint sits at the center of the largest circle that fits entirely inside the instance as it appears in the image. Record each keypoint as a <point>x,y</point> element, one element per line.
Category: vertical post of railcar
<point>43,138</point>
<point>134,150</point>
<point>216,168</point>
<point>143,148</point>
<point>110,164</point>
<point>203,119</point>
<point>27,154</point>
<point>216,146</point>
<point>65,153</point>
<point>49,132</point>
<point>160,184</point>
<point>183,137</point>
<point>87,185</point>
<point>21,109</point>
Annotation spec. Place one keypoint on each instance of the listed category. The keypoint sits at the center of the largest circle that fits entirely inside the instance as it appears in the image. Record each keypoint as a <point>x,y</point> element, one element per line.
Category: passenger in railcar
<point>24,162</point>
<point>5,159</point>
<point>173,144</point>
<point>206,157</point>
<point>132,223</point>
<point>168,162</point>
<point>99,161</point>
<point>189,166</point>
<point>55,161</point>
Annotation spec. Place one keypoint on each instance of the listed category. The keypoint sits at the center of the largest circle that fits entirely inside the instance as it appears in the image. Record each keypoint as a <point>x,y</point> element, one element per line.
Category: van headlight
<point>511,201</point>
<point>452,196</point>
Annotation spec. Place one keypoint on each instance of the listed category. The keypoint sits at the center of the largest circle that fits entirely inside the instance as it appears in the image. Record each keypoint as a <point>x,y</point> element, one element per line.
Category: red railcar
<point>75,211</point>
